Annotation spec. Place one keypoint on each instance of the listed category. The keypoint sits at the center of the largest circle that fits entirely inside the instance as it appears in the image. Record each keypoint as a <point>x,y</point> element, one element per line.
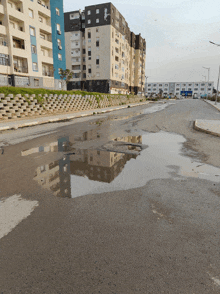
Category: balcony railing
<point>46,6</point>
<point>22,69</point>
<point>3,42</point>
<point>48,73</point>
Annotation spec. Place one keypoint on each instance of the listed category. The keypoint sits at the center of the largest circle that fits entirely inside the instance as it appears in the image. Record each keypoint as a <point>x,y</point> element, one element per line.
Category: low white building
<point>180,88</point>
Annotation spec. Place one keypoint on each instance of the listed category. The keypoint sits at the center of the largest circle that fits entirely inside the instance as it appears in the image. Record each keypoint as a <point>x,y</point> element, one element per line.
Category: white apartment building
<point>180,88</point>
<point>31,49</point>
<point>103,53</point>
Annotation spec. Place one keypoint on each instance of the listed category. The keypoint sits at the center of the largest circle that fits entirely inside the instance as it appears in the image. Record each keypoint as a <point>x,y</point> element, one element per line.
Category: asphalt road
<point>84,211</point>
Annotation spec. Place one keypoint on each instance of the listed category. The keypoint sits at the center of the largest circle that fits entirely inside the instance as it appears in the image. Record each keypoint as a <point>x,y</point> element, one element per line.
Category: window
<point>84,76</point>
<point>84,67</point>
<point>40,19</point>
<point>97,11</point>
<point>33,49</point>
<point>58,29</point>
<point>196,89</point>
<point>97,20</point>
<point>59,56</point>
<point>89,35</point>
<point>35,66</point>
<point>89,21</point>
<point>57,11</point>
<point>60,85</point>
<point>88,12</point>
<point>42,36</point>
<point>202,89</point>
<point>97,30</point>
<point>32,31</point>
<point>89,51</point>
<point>97,60</point>
<point>31,13</point>
<point>98,74</point>
<point>36,83</point>
<point>89,69</point>
<point>84,51</point>
<point>97,42</point>
<point>84,59</point>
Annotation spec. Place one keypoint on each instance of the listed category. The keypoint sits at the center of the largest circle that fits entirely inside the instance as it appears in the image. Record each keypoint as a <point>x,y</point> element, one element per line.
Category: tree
<point>160,93</point>
<point>66,74</point>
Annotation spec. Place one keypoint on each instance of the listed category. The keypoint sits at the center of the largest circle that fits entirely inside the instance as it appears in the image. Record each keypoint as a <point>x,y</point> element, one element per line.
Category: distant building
<point>184,88</point>
<point>32,43</point>
<point>103,53</point>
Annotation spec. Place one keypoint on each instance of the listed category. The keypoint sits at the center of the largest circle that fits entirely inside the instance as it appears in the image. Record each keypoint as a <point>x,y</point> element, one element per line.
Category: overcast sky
<point>177,35</point>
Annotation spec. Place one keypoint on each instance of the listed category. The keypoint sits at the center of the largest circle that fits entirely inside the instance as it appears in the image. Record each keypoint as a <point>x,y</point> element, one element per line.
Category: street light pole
<point>217,87</point>
<point>208,68</point>
<point>146,77</point>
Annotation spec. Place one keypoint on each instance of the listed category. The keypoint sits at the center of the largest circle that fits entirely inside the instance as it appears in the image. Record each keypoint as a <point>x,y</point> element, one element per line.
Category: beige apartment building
<point>29,53</point>
<point>103,53</point>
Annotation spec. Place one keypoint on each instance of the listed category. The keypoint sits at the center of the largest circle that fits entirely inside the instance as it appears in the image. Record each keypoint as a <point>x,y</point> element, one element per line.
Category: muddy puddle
<point>122,164</point>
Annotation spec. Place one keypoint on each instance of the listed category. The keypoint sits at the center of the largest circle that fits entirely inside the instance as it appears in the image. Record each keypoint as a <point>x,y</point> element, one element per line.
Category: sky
<point>177,35</point>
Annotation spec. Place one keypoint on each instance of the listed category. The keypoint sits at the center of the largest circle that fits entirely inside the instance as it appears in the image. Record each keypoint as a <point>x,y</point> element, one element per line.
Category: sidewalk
<point>20,123</point>
<point>208,126</point>
<point>217,106</point>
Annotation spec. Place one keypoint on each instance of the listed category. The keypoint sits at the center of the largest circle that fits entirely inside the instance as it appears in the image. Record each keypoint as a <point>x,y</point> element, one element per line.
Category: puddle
<point>95,171</point>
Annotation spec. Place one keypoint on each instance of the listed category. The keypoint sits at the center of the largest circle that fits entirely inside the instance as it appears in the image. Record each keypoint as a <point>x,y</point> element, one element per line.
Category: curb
<point>68,118</point>
<point>212,105</point>
<point>203,130</point>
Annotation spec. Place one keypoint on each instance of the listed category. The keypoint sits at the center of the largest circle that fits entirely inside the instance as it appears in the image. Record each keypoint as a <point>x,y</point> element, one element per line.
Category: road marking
<point>217,281</point>
<point>12,211</point>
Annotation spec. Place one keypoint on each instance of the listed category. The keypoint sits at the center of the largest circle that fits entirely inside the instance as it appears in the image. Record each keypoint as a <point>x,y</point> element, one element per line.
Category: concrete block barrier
<point>28,105</point>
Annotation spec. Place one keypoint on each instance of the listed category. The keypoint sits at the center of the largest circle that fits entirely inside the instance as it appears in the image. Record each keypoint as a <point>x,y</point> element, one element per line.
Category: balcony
<point>3,30</point>
<point>3,45</point>
<point>20,64</point>
<point>2,9</point>
<point>45,43</point>
<point>47,59</point>
<point>20,69</point>
<point>47,70</point>
<point>17,33</point>
<point>44,9</point>
<point>46,28</point>
<point>16,13</point>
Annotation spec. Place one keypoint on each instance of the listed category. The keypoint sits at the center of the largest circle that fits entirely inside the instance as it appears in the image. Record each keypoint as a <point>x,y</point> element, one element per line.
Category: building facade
<point>32,43</point>
<point>103,53</point>
<point>198,89</point>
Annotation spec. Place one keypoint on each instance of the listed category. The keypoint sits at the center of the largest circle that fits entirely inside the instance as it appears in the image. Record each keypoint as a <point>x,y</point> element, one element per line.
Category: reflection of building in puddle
<point>60,145</point>
<point>89,135</point>
<point>55,176</point>
<point>130,139</point>
<point>99,166</point>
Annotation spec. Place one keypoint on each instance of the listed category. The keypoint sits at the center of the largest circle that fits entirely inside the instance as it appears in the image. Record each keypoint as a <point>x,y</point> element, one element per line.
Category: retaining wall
<point>19,106</point>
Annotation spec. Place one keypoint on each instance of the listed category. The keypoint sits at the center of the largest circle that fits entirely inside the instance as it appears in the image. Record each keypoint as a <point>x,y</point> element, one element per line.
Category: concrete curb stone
<point>16,124</point>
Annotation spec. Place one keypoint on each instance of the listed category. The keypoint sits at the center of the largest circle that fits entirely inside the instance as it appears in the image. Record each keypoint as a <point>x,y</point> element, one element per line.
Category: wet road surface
<point>126,202</point>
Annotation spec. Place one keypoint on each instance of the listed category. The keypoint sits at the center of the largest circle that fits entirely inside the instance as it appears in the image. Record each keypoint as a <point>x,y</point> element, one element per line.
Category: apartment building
<point>103,53</point>
<point>32,43</point>
<point>198,89</point>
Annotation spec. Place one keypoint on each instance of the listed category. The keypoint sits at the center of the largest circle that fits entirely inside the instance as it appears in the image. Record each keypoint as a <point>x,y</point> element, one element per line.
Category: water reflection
<point>95,165</point>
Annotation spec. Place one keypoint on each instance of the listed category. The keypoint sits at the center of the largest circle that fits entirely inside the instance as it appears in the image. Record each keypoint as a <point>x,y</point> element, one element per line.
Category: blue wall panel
<point>34,42</point>
<point>58,19</point>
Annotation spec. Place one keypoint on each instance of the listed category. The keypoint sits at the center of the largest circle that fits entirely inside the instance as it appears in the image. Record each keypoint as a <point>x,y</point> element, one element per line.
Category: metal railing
<point>47,73</point>
<point>22,69</point>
